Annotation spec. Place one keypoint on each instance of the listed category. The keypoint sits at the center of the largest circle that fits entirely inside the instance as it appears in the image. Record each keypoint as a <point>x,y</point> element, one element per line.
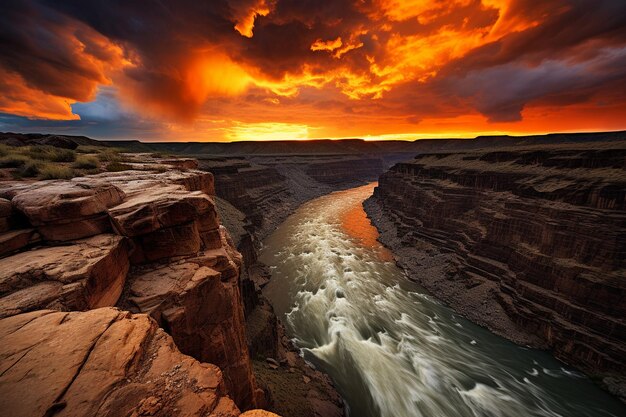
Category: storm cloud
<point>380,62</point>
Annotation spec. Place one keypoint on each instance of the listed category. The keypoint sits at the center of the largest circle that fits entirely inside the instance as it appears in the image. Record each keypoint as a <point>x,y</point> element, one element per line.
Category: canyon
<point>528,241</point>
<point>147,283</point>
<point>141,262</point>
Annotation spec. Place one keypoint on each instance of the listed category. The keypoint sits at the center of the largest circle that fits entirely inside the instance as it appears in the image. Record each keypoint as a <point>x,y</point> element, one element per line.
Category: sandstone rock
<point>182,163</point>
<point>167,217</point>
<point>102,362</point>
<point>67,210</point>
<point>183,240</point>
<point>11,219</point>
<point>63,200</point>
<point>89,273</point>
<point>5,208</point>
<point>198,302</point>
<point>14,240</point>
<point>258,413</point>
<point>161,207</point>
<point>136,182</point>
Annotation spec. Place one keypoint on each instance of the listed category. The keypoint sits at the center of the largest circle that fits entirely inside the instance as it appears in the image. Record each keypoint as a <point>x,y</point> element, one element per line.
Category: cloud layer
<point>206,69</point>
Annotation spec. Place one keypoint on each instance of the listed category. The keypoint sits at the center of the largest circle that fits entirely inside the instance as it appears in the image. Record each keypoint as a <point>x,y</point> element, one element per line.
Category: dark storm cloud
<point>170,58</point>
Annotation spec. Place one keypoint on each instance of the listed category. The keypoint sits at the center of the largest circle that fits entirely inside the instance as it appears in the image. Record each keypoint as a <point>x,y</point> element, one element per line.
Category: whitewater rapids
<point>391,349</point>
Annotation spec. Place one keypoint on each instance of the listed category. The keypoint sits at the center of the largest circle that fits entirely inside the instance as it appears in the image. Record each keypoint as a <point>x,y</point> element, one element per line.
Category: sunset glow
<point>281,69</point>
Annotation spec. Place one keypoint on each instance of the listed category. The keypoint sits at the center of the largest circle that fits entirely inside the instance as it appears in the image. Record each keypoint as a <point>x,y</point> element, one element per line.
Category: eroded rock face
<point>198,301</point>
<point>533,243</point>
<point>102,362</point>
<point>89,273</point>
<point>186,272</point>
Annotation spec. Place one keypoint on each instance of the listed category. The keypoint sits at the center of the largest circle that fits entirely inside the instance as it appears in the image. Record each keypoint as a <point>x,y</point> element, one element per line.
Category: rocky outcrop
<point>529,242</point>
<point>197,300</point>
<point>89,273</point>
<point>102,362</point>
<point>147,241</point>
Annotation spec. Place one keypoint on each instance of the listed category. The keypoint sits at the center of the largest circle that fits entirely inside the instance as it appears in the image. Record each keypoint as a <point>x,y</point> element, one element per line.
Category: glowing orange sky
<point>289,69</point>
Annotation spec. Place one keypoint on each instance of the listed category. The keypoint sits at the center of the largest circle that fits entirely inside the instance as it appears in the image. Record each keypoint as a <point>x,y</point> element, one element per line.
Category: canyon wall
<point>268,188</point>
<point>146,241</point>
<point>529,242</point>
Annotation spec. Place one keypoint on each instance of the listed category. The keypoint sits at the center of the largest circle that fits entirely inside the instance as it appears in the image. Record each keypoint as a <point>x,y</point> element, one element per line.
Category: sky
<point>226,70</point>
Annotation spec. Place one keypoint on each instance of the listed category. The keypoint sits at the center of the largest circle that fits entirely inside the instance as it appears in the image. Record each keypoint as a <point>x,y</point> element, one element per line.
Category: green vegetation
<point>47,162</point>
<point>111,155</point>
<point>86,162</point>
<point>13,161</point>
<point>30,170</point>
<point>50,153</point>
<point>52,172</point>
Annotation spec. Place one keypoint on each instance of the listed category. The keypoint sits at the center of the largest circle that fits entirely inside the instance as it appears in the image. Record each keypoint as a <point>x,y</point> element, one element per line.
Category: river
<point>392,349</point>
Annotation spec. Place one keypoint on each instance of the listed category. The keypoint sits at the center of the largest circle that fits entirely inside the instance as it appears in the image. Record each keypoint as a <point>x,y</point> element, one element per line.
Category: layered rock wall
<point>531,243</point>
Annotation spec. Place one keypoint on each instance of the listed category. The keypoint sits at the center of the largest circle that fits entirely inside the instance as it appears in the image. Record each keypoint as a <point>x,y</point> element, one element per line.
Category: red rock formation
<point>67,210</point>
<point>197,300</point>
<point>186,271</point>
<point>533,242</point>
<point>89,273</point>
<point>102,362</point>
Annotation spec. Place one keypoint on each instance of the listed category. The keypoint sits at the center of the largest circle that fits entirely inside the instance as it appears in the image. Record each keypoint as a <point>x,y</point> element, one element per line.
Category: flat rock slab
<point>102,362</point>
<point>161,207</point>
<point>137,181</point>
<point>63,200</point>
<point>89,273</point>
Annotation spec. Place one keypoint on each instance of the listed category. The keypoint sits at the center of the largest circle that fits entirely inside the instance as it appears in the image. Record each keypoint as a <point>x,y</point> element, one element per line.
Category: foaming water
<point>393,350</point>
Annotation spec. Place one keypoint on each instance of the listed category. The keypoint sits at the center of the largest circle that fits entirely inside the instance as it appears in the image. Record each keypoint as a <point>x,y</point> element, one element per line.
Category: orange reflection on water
<point>357,225</point>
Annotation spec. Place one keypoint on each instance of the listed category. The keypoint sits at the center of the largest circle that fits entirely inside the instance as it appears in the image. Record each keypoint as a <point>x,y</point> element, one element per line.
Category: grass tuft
<point>53,172</point>
<point>86,162</point>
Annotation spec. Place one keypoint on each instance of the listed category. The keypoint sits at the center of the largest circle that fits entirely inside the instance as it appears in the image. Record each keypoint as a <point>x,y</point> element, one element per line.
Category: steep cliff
<point>148,241</point>
<point>529,242</point>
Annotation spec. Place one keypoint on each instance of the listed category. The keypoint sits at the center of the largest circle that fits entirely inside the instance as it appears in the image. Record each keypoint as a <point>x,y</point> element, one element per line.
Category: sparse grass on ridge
<point>47,162</point>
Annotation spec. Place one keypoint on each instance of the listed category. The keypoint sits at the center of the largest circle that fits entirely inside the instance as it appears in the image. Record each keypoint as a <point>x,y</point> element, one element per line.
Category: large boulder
<point>105,363</point>
<point>89,273</point>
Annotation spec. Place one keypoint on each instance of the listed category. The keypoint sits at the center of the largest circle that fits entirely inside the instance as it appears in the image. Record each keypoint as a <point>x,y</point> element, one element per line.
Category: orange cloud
<point>247,68</point>
<point>20,99</point>
<point>330,46</point>
<point>245,14</point>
